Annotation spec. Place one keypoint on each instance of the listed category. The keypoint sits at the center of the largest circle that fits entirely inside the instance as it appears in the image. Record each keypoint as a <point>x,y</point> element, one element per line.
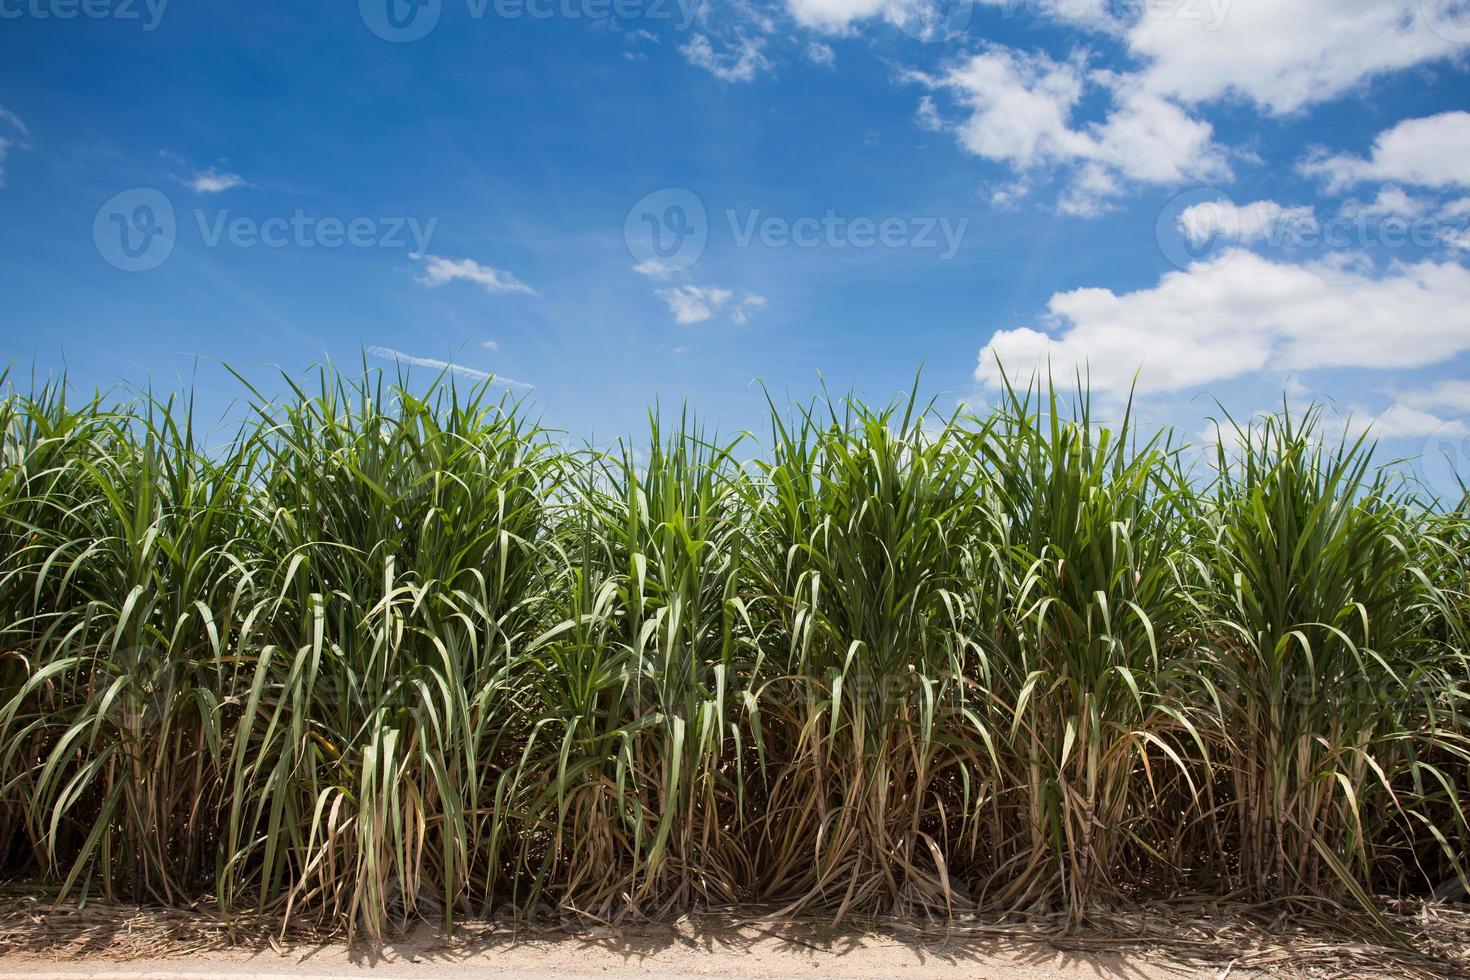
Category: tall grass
<point>393,653</point>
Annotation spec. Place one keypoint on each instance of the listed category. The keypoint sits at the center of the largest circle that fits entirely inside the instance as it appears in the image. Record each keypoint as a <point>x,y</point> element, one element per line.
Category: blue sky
<point>1240,200</point>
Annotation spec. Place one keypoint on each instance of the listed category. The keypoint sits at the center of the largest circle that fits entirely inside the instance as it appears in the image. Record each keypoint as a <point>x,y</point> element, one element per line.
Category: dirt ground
<point>740,954</point>
<point>43,941</point>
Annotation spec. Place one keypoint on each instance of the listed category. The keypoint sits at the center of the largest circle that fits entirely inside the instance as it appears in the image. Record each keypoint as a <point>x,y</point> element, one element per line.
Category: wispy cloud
<point>15,122</point>
<point>22,140</point>
<point>474,374</point>
<point>739,62</point>
<point>214,181</point>
<point>746,307</point>
<point>5,145</point>
<point>439,271</point>
<point>654,269</point>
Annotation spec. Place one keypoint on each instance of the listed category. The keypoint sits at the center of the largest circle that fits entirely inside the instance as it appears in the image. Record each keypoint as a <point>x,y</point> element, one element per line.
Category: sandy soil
<point>733,953</point>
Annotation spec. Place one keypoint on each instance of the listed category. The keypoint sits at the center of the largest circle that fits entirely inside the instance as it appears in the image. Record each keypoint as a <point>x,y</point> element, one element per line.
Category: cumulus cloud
<point>834,16</point>
<point>1400,421</point>
<point>474,374</point>
<point>919,17</point>
<point>438,271</point>
<point>1451,395</point>
<point>1019,109</point>
<point>1390,202</point>
<point>1209,324</point>
<point>1433,151</point>
<point>1282,56</point>
<point>214,181</point>
<point>696,304</point>
<point>1255,222</point>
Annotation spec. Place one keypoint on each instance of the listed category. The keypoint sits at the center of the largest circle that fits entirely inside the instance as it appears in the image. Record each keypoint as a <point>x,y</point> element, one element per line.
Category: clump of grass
<point>394,653</point>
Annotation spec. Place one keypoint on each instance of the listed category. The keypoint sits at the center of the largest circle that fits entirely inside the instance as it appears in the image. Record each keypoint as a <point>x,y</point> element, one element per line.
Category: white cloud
<point>1209,324</point>
<point>927,117</point>
<point>696,304</point>
<point>1020,112</point>
<point>821,54</point>
<point>834,16</point>
<point>1283,54</point>
<point>439,271</point>
<point>1391,202</point>
<point>21,141</point>
<point>1093,14</point>
<point>654,269</point>
<point>926,19</point>
<point>1430,152</point>
<point>490,345</point>
<point>1152,140</point>
<point>1450,395</point>
<point>1254,222</point>
<point>1008,196</point>
<point>474,374</point>
<point>741,62</point>
<point>213,181</point>
<point>1020,106</point>
<point>1399,421</point>
<point>747,307</point>
<point>14,121</point>
<point>1458,208</point>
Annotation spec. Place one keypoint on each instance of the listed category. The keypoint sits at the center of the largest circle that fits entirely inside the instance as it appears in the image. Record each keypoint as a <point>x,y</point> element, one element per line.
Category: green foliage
<point>387,655</point>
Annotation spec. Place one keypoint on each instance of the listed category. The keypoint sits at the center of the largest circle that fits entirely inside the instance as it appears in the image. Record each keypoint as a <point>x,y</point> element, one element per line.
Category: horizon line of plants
<point>390,655</point>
